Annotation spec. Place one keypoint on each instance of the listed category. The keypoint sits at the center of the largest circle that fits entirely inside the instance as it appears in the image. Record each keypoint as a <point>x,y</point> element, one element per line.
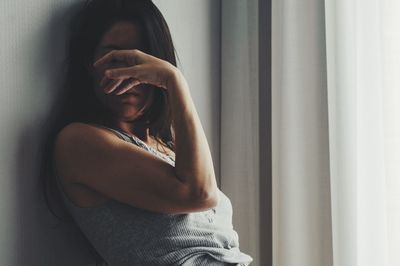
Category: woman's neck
<point>138,129</point>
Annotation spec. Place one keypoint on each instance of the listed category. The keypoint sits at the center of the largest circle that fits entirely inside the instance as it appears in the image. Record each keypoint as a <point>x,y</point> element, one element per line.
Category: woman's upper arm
<point>122,171</point>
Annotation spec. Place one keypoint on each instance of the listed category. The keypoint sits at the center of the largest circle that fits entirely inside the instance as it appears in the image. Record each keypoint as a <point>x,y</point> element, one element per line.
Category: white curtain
<point>335,130</point>
<point>362,60</point>
<point>336,137</point>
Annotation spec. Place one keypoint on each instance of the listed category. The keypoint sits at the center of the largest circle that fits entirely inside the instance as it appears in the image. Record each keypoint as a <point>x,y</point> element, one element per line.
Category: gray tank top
<point>126,235</point>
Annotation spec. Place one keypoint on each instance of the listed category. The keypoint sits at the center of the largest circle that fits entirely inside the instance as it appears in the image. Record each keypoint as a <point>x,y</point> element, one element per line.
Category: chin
<point>128,114</point>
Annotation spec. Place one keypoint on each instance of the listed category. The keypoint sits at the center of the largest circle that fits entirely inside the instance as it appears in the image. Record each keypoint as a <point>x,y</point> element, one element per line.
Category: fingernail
<point>108,89</point>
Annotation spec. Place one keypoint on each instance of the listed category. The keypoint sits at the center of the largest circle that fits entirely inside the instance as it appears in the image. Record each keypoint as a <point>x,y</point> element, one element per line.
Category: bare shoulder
<point>78,129</point>
<point>78,134</point>
<point>78,193</point>
<point>77,142</point>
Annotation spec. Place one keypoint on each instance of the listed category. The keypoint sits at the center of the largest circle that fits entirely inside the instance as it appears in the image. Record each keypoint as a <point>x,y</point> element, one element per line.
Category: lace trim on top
<point>142,144</point>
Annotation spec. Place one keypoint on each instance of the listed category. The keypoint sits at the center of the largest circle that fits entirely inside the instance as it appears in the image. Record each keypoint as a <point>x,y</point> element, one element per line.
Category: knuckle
<point>136,52</point>
<point>114,53</point>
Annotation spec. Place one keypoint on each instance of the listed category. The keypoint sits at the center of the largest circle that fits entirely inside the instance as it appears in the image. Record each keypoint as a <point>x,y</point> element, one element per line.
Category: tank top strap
<point>122,135</point>
<point>125,136</point>
<point>133,139</point>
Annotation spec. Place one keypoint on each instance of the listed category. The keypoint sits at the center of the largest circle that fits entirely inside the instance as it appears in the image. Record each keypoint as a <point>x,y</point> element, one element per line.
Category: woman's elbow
<point>206,198</point>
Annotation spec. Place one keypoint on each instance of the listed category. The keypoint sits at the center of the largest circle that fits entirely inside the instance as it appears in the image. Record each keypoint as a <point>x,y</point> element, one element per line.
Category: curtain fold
<point>342,128</point>
<point>239,120</point>
<point>300,143</point>
<point>355,93</point>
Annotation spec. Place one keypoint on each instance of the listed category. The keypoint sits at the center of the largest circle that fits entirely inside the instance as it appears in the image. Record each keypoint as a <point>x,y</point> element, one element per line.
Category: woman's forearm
<point>193,161</point>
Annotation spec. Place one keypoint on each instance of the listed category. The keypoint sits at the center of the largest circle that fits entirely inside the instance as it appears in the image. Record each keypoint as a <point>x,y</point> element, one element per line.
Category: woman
<point>129,155</point>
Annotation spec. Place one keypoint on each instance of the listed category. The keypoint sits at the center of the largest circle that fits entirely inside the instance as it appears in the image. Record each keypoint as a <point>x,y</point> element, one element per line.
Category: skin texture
<point>92,161</point>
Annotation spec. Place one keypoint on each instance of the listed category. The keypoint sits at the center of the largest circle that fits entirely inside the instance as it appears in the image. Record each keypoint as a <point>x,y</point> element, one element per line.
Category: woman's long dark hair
<point>78,102</point>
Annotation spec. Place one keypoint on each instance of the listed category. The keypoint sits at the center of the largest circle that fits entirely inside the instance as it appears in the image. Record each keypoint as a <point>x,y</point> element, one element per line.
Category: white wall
<point>32,36</point>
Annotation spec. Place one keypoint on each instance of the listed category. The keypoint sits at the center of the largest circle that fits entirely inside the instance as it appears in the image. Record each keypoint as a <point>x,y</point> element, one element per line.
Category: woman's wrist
<point>175,78</point>
<point>179,96</point>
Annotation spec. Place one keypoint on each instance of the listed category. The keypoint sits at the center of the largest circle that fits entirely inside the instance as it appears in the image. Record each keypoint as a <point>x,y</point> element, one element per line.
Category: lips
<point>126,95</point>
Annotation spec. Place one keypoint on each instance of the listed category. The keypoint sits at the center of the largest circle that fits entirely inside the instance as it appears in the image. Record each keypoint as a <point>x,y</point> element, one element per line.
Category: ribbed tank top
<point>127,235</point>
